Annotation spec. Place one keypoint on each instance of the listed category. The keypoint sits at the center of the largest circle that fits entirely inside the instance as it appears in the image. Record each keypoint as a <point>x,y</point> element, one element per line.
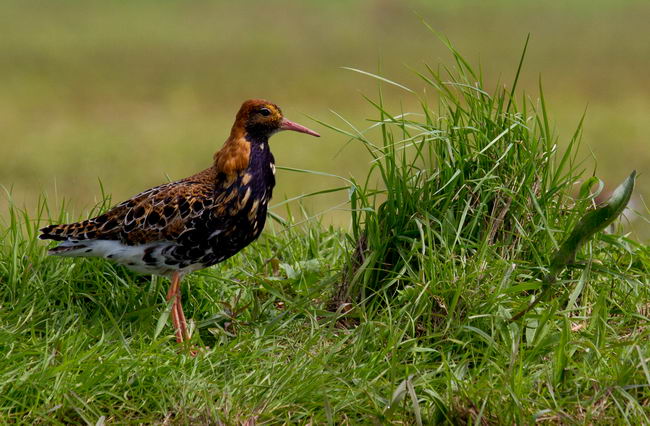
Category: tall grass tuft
<point>472,206</point>
<point>473,187</point>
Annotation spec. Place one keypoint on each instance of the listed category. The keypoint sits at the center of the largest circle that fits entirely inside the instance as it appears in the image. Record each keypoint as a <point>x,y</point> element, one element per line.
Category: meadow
<point>448,182</point>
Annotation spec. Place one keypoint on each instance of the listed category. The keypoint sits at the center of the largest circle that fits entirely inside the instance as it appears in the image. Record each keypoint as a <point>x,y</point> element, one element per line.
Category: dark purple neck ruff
<point>231,222</point>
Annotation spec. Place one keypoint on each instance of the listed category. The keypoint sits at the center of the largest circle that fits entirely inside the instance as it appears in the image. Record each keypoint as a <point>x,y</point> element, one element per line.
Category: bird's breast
<point>242,199</point>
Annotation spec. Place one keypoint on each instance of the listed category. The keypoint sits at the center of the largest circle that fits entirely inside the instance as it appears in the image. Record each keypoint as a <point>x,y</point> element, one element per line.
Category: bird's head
<point>261,119</point>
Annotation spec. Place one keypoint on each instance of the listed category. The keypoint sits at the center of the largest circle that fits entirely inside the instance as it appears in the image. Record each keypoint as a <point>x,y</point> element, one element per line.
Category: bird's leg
<point>174,292</point>
<point>181,315</point>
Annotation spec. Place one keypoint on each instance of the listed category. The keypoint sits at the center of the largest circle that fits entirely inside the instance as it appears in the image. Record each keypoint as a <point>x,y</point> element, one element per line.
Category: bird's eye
<point>265,112</point>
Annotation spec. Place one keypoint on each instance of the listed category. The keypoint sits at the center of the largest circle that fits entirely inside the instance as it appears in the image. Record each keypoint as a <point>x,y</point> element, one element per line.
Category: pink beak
<point>290,125</point>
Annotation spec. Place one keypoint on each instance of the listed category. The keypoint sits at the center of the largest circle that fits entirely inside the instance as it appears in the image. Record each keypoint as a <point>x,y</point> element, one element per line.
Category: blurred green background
<point>131,93</point>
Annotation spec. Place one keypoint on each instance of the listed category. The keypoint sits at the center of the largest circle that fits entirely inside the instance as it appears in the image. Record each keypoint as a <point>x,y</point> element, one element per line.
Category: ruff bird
<point>174,229</point>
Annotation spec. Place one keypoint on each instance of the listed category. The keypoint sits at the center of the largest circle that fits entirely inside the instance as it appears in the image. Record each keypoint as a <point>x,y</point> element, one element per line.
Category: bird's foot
<point>194,351</point>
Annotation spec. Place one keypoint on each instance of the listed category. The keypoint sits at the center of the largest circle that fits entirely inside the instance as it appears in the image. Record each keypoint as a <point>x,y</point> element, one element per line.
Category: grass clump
<point>456,228</point>
<point>452,233</point>
<point>478,178</point>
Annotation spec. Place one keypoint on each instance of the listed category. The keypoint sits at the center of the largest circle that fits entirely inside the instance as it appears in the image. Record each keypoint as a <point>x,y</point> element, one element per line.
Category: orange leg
<point>181,315</point>
<point>174,292</point>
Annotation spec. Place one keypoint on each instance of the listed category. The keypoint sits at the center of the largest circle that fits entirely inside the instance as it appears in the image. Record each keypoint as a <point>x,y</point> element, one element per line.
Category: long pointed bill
<point>290,125</point>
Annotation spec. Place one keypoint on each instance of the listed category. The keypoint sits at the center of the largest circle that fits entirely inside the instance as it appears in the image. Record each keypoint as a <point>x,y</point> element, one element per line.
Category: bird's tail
<point>76,231</point>
<point>69,234</point>
<point>55,232</point>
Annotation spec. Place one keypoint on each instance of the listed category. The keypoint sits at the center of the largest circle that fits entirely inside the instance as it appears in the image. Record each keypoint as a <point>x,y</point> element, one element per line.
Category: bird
<point>180,227</point>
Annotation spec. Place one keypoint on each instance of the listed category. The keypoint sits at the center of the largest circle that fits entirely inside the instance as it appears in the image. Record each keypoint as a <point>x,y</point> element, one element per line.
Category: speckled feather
<point>192,223</point>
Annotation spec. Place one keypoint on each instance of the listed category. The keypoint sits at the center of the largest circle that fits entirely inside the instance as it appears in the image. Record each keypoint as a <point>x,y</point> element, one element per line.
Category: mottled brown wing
<point>160,213</point>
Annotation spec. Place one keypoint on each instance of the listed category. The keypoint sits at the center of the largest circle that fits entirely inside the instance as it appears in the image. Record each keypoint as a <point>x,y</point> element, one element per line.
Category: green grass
<point>453,228</point>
